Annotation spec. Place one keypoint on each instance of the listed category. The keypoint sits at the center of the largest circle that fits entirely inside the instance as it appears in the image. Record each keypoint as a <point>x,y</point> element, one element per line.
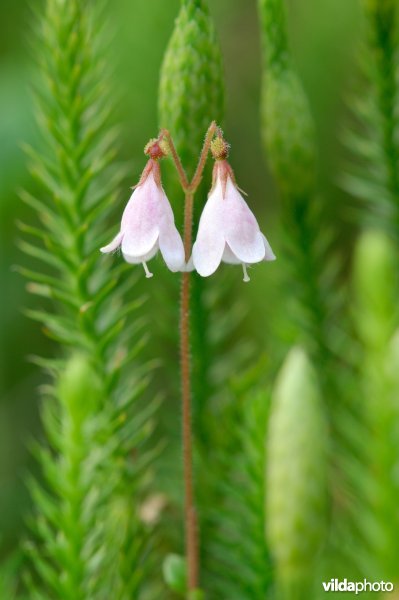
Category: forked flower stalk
<point>191,527</point>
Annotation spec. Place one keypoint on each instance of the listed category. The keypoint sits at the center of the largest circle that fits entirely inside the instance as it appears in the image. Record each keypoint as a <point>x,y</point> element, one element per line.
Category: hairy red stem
<point>191,525</point>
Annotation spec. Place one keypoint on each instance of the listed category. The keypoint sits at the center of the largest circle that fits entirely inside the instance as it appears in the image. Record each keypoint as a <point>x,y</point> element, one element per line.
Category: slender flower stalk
<point>190,512</point>
<point>185,365</point>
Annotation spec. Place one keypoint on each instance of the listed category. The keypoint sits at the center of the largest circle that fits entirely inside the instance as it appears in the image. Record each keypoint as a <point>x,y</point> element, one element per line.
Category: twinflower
<point>147,222</point>
<point>228,231</point>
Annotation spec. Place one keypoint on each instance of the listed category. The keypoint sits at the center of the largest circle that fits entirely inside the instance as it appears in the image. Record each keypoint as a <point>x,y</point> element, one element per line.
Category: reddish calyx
<point>155,149</point>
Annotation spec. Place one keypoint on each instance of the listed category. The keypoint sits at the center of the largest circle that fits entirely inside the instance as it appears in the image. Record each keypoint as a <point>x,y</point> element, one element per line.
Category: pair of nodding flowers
<point>228,230</point>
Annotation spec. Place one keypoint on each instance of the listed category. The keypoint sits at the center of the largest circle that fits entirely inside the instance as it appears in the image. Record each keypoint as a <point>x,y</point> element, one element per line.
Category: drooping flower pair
<point>228,230</point>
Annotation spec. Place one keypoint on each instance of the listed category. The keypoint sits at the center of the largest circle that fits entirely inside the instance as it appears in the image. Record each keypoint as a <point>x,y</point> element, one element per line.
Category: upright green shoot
<point>91,442</point>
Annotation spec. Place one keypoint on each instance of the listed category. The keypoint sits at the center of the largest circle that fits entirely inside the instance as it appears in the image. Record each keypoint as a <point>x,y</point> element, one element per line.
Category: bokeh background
<point>324,36</point>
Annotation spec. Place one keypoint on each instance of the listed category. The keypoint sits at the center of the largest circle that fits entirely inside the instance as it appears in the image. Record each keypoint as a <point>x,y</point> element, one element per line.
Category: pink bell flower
<point>228,231</point>
<point>148,225</point>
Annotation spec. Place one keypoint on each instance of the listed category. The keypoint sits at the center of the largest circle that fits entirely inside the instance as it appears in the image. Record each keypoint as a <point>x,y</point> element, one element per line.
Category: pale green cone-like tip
<point>288,133</point>
<point>287,123</point>
<point>274,35</point>
<point>191,86</point>
<point>296,467</point>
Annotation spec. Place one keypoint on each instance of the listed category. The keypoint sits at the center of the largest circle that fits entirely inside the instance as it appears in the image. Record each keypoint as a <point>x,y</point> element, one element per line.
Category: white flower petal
<point>248,250</point>
<point>210,242</point>
<point>241,228</point>
<point>135,260</point>
<point>189,266</point>
<point>116,242</point>
<point>137,244</point>
<point>207,255</point>
<point>229,257</point>
<point>171,247</point>
<point>141,218</point>
<point>269,255</point>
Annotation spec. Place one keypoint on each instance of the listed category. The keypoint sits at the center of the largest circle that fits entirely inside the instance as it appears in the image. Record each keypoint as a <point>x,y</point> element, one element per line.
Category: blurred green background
<point>324,36</point>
